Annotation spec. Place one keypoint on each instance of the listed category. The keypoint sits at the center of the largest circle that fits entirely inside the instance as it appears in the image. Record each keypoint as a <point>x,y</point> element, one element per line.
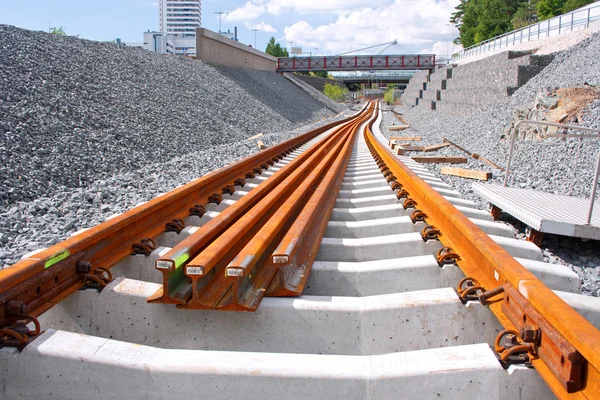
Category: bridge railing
<point>581,18</point>
<point>356,63</point>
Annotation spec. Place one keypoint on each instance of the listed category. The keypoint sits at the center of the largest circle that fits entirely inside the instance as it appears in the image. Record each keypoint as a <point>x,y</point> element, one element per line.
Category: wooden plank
<point>467,173</point>
<point>435,147</point>
<point>407,138</point>
<point>255,136</point>
<point>398,127</point>
<point>413,148</point>
<point>440,160</point>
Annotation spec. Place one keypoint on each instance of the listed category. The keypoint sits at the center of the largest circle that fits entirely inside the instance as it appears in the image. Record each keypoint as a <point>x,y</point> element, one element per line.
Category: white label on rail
<point>195,270</point>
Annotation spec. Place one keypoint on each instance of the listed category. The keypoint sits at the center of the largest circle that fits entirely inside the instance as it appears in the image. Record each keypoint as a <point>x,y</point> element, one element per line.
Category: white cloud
<point>275,7</point>
<point>247,12</point>
<point>154,4</point>
<point>261,26</point>
<point>414,23</point>
<point>444,48</point>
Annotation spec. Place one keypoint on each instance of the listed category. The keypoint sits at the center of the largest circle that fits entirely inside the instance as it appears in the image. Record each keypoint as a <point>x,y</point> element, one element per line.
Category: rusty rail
<point>561,344</point>
<point>224,265</point>
<point>35,284</point>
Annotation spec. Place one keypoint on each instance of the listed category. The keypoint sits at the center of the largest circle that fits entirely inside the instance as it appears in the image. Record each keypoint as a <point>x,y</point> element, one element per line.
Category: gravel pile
<point>74,111</point>
<point>554,166</point>
<point>91,129</point>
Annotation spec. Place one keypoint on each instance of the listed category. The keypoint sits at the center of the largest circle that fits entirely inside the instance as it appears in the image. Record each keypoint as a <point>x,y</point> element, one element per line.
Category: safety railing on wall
<point>578,19</point>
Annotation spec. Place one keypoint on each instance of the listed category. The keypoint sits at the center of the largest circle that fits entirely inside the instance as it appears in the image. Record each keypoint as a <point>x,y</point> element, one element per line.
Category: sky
<point>322,27</point>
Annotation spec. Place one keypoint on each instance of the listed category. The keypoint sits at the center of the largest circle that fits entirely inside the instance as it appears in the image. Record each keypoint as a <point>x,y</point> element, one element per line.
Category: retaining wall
<point>216,49</point>
<point>463,88</point>
<point>416,85</point>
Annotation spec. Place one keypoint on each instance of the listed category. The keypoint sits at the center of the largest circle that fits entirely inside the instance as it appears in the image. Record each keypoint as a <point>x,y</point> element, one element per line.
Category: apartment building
<point>179,17</point>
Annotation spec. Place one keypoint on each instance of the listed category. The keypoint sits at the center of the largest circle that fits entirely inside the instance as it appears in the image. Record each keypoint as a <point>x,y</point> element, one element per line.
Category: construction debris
<point>398,127</point>
<point>255,136</point>
<point>466,173</point>
<point>406,138</point>
<point>475,155</point>
<point>440,160</point>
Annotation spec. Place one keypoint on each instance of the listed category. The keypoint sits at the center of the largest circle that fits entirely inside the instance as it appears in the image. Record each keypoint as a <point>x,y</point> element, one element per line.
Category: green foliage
<point>547,9</point>
<point>275,49</point>
<point>388,96</point>
<point>60,31</point>
<point>321,74</point>
<point>524,16</point>
<point>335,92</point>
<point>571,5</point>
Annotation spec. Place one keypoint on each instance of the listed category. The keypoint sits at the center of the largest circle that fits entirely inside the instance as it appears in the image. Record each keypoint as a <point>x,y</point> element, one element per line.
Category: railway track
<point>362,276</point>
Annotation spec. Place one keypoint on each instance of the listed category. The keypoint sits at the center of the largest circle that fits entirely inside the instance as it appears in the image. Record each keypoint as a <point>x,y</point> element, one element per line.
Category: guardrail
<point>580,18</point>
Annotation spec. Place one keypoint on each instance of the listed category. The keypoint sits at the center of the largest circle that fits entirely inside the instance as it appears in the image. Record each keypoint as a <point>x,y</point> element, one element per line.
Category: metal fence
<point>581,18</point>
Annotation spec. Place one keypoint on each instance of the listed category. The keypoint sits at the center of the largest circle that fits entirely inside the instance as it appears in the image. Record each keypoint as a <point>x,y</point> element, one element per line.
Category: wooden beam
<point>413,148</point>
<point>255,136</point>
<point>475,155</point>
<point>408,138</point>
<point>467,173</point>
<point>435,147</point>
<point>398,127</point>
<point>440,160</point>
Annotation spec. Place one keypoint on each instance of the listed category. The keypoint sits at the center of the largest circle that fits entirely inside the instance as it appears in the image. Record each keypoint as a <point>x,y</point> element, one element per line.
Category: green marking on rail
<point>181,259</point>
<point>58,257</point>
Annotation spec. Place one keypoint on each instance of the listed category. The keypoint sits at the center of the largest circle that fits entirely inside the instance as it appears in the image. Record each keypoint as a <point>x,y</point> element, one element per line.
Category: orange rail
<point>565,347</point>
<point>228,268</point>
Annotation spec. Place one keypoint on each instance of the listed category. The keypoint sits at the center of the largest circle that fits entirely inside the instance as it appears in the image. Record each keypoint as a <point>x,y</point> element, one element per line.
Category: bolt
<point>84,267</point>
<point>530,334</point>
<point>14,308</point>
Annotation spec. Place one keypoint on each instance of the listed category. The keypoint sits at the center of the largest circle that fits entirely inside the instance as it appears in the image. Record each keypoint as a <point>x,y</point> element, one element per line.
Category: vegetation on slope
<point>479,20</point>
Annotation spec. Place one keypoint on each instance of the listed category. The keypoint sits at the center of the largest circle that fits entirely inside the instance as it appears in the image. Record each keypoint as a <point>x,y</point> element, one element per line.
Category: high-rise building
<point>179,17</point>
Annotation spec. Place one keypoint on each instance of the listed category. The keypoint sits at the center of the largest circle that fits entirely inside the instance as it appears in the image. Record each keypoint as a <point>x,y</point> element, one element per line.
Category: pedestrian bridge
<point>356,63</point>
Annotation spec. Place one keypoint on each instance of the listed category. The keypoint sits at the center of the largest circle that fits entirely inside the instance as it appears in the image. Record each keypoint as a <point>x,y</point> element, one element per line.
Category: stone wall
<point>460,89</point>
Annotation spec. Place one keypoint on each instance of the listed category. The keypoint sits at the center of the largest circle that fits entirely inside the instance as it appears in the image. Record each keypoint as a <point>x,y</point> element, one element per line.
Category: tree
<point>321,74</point>
<point>479,20</point>
<point>571,5</point>
<point>60,31</point>
<point>526,15</point>
<point>457,18</point>
<point>547,9</point>
<point>275,49</point>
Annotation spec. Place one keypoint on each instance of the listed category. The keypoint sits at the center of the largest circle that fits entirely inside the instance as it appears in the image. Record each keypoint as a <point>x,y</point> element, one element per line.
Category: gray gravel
<point>555,166</point>
<point>90,129</point>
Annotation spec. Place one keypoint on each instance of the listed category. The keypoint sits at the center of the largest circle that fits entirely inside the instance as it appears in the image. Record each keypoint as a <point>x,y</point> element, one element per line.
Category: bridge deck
<point>356,63</point>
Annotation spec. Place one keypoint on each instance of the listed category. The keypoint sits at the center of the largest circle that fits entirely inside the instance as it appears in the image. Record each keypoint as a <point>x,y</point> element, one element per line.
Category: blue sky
<point>331,26</point>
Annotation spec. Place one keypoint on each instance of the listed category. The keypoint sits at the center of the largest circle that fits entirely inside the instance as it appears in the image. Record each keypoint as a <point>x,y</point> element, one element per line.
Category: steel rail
<point>252,238</point>
<point>564,345</point>
<point>297,251</point>
<point>176,288</point>
<point>35,284</point>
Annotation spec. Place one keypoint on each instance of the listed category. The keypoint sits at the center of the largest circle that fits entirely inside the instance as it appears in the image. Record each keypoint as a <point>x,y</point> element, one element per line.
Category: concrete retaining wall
<point>213,48</point>
<point>464,88</point>
<point>483,82</point>
<point>416,85</point>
